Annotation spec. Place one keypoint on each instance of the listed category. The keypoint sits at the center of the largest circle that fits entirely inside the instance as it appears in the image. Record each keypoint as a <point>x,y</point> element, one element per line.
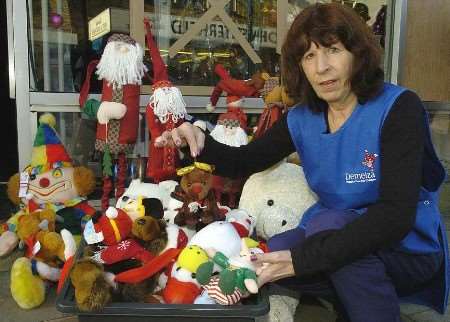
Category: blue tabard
<point>343,169</point>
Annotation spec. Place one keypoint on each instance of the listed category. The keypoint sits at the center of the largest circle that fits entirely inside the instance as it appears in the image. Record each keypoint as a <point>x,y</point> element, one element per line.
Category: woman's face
<point>328,70</point>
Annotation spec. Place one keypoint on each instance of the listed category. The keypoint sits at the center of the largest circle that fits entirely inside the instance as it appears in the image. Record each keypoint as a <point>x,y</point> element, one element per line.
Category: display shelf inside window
<point>194,64</point>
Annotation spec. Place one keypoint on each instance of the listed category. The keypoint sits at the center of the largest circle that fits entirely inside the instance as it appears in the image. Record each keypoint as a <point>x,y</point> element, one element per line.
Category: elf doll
<point>165,111</point>
<point>121,68</point>
<point>236,87</point>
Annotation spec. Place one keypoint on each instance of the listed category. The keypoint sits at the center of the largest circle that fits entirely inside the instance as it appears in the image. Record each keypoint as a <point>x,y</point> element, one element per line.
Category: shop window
<point>240,35</point>
<point>58,41</point>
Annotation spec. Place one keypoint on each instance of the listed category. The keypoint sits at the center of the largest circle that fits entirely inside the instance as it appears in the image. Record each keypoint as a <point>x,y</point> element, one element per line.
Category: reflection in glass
<point>58,43</point>
<point>215,44</point>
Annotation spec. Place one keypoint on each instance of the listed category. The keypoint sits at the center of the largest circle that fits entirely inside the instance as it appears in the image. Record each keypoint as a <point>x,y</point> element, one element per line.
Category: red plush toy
<point>236,87</point>
<point>165,111</point>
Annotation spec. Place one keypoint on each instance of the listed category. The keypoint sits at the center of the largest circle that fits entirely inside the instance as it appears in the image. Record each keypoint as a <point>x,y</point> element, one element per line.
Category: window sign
<point>100,25</point>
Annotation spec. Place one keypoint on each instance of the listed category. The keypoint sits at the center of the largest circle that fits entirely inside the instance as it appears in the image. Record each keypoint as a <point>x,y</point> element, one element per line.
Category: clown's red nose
<point>44,182</point>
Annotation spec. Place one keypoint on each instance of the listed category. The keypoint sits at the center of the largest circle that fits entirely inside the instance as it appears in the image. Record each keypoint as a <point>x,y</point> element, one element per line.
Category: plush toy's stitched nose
<point>44,182</point>
<point>196,189</point>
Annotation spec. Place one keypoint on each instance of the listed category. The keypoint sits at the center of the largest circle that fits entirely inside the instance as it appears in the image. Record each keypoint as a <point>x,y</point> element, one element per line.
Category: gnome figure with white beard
<point>230,130</point>
<point>121,68</point>
<point>165,111</point>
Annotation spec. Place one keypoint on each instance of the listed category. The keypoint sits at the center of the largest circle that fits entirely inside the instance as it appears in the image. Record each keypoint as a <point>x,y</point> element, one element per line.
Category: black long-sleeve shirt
<point>385,223</point>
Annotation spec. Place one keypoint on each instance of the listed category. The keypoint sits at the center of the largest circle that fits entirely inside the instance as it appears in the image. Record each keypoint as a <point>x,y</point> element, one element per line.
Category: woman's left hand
<point>273,266</point>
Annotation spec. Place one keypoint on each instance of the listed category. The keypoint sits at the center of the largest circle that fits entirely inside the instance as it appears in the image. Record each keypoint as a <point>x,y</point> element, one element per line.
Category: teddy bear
<point>200,207</point>
<point>93,288</point>
<point>52,182</point>
<point>277,198</point>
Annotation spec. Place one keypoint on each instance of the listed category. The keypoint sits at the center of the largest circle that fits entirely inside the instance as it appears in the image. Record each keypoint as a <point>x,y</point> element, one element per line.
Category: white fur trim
<point>70,246</point>
<point>111,213</point>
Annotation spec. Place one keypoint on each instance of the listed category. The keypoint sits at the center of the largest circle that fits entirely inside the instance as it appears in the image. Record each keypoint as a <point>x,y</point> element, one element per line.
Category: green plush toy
<point>237,272</point>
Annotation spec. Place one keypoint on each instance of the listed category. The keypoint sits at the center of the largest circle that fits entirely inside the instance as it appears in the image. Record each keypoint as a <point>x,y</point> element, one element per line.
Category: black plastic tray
<point>254,308</point>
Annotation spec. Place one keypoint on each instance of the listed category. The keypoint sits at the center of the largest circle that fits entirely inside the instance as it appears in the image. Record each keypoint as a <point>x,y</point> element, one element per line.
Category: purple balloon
<point>56,20</point>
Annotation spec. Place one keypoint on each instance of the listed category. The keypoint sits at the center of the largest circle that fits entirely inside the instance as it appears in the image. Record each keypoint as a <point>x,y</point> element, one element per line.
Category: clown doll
<point>121,68</point>
<point>50,182</point>
<point>165,111</point>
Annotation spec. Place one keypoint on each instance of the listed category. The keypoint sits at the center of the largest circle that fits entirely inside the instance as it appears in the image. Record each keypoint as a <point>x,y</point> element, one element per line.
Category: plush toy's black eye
<point>32,176</point>
<point>125,198</point>
<point>178,268</point>
<point>270,202</point>
<point>284,222</point>
<point>193,275</point>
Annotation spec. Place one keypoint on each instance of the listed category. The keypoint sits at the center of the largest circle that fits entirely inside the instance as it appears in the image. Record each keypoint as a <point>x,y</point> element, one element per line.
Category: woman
<point>376,233</point>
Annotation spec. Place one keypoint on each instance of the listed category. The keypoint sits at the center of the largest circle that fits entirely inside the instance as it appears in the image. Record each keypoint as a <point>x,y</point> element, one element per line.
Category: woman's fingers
<point>186,131</point>
<point>200,139</point>
<point>273,257</point>
<point>273,272</point>
<point>164,140</point>
<point>176,137</point>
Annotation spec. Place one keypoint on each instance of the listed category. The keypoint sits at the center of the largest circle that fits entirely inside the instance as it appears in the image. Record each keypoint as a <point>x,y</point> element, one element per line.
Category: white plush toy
<point>137,189</point>
<point>277,198</point>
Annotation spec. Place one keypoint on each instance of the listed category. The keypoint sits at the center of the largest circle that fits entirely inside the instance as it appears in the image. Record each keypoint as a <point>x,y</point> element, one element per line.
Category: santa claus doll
<point>230,130</point>
<point>165,111</point>
<point>121,68</point>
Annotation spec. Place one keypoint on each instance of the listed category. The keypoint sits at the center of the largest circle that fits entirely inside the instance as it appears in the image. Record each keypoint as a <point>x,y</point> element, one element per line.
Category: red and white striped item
<point>217,295</point>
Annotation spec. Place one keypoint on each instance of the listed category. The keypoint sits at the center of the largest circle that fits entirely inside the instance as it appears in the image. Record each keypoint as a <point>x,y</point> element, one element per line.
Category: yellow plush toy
<point>28,290</point>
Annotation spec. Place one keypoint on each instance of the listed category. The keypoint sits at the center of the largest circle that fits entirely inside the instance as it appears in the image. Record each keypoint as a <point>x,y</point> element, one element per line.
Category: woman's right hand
<point>185,134</point>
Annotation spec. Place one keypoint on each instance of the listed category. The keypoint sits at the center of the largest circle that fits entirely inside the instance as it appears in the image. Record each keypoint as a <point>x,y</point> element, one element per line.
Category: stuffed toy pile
<point>51,194</point>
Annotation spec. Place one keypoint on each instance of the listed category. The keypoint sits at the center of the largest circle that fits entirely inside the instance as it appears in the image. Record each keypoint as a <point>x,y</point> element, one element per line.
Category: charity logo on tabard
<point>364,176</point>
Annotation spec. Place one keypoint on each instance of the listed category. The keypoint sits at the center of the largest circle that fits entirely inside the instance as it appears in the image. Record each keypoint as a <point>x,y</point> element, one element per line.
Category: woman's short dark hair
<point>326,24</point>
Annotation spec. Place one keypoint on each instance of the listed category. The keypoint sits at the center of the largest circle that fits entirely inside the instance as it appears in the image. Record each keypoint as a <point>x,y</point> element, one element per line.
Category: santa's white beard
<point>222,135</point>
<point>168,102</point>
<point>122,68</point>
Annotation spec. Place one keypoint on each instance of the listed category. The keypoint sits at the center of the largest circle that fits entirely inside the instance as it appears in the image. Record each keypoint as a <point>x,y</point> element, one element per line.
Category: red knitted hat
<point>233,117</point>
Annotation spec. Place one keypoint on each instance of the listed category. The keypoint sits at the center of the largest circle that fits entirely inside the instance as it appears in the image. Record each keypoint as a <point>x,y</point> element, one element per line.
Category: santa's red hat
<point>115,225</point>
<point>233,117</point>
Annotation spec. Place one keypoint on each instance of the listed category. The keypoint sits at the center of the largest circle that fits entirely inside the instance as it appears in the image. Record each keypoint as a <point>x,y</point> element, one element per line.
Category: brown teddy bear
<point>30,225</point>
<point>92,289</point>
<point>200,207</point>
